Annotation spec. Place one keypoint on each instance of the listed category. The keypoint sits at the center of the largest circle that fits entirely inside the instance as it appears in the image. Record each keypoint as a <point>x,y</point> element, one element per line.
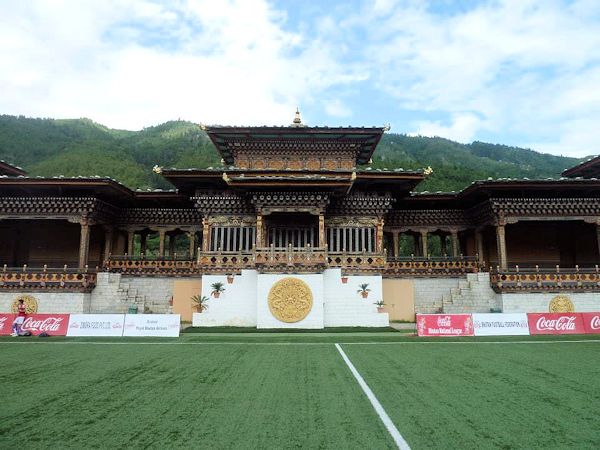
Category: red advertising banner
<point>555,323</point>
<point>6,321</point>
<point>444,325</point>
<point>591,322</point>
<point>52,324</point>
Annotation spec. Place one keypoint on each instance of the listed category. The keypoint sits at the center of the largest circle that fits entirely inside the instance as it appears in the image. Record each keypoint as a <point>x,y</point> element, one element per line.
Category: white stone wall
<point>344,306</point>
<point>50,302</point>
<point>540,302</point>
<point>236,307</point>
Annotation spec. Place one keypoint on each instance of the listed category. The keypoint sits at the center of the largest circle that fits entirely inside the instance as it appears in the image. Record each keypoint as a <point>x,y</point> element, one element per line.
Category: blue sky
<point>518,72</point>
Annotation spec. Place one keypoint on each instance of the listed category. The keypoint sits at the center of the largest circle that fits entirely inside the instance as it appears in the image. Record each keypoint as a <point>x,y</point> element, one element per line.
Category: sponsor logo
<point>49,324</point>
<point>2,322</point>
<point>74,325</point>
<point>564,323</point>
<point>595,323</point>
<point>444,321</point>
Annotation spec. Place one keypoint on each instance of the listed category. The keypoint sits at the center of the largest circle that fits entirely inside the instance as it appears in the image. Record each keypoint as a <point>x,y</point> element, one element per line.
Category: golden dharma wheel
<point>561,304</point>
<point>31,304</point>
<point>290,300</point>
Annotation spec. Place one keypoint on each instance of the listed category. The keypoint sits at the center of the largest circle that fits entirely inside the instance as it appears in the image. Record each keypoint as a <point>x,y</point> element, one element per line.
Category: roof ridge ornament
<point>297,120</point>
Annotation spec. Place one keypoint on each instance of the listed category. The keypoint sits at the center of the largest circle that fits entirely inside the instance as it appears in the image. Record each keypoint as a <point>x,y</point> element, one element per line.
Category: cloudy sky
<point>519,72</point>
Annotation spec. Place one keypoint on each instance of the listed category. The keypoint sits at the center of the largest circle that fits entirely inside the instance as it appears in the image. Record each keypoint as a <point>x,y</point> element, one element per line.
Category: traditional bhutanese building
<point>290,232</point>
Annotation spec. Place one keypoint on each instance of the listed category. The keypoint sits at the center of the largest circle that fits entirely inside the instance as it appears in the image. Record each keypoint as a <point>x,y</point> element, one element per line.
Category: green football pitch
<point>228,391</point>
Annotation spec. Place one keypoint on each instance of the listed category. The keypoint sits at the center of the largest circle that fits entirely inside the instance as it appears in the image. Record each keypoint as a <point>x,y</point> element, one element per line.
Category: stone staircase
<point>473,295</point>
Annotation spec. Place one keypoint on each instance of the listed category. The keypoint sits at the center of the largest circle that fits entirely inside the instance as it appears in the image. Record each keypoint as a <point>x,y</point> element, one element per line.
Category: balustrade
<point>47,279</point>
<point>545,280</point>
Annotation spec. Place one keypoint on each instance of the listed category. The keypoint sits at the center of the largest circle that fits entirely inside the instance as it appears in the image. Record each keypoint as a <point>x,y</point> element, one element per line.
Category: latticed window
<point>351,239</point>
<point>232,239</point>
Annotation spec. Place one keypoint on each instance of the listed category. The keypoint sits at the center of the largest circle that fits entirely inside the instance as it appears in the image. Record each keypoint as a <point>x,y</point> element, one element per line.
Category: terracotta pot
<point>216,294</point>
<point>344,280</point>
<point>380,309</point>
<point>364,294</point>
<point>229,279</point>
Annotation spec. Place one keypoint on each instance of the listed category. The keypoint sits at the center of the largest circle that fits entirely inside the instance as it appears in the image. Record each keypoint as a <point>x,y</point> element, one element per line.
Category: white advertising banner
<point>160,325</point>
<point>501,324</point>
<point>96,325</point>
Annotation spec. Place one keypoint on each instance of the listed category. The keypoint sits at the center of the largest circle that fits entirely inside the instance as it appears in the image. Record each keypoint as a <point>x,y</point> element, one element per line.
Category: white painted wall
<point>236,307</point>
<point>345,307</point>
<point>50,302</point>
<point>540,302</point>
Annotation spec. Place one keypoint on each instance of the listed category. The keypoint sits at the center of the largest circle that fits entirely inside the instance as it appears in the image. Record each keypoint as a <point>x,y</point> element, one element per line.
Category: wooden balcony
<point>47,279</point>
<point>293,260</point>
<point>431,267</point>
<point>557,279</point>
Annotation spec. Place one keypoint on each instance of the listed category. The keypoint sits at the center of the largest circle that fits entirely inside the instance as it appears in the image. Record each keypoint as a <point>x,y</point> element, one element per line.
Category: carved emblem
<point>290,300</point>
<point>31,304</point>
<point>561,304</point>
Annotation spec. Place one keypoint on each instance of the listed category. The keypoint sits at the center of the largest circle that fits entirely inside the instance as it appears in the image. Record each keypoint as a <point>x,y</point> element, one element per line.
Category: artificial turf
<point>225,391</point>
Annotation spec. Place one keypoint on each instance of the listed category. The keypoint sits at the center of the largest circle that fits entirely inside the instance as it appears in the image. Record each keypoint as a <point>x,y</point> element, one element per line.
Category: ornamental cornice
<point>222,203</point>
<point>160,216</point>
<point>74,209</point>
<point>362,204</point>
<point>270,202</point>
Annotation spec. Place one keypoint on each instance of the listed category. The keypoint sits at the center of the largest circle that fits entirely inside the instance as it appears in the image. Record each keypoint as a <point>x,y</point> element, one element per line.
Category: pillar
<point>501,245</point>
<point>205,234</point>
<point>259,231</point>
<point>130,236</point>
<point>455,244</point>
<point>108,242</point>
<point>396,240</point>
<point>192,242</point>
<point>161,243</point>
<point>479,245</point>
<point>322,242</point>
<point>84,243</point>
<point>379,237</point>
<point>598,236</point>
<point>424,248</point>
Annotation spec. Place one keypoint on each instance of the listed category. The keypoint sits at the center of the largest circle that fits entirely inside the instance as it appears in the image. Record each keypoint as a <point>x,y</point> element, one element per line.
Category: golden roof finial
<point>297,120</point>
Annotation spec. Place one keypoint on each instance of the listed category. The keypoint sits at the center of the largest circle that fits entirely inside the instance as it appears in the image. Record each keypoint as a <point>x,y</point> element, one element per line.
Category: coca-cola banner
<point>501,324</point>
<point>6,321</point>
<point>96,325</point>
<point>444,325</point>
<point>160,325</point>
<point>556,323</point>
<point>52,324</point>
<point>591,322</point>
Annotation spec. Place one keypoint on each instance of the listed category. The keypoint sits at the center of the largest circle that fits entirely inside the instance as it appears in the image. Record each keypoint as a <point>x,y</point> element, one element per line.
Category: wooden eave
<point>366,138</point>
<point>102,188</point>
<point>587,169</point>
<point>164,199</point>
<point>10,170</point>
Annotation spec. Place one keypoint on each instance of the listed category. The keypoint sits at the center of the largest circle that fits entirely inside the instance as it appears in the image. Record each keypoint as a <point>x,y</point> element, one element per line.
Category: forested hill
<point>50,147</point>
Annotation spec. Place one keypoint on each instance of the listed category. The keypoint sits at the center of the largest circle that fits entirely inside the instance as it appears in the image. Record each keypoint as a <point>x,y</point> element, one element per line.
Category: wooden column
<point>424,248</point>
<point>259,231</point>
<point>501,245</point>
<point>84,243</point>
<point>379,237</point>
<point>322,242</point>
<point>205,234</point>
<point>130,236</point>
<point>108,242</point>
<point>192,242</point>
<point>396,238</point>
<point>161,243</point>
<point>455,244</point>
<point>479,245</point>
<point>598,236</point>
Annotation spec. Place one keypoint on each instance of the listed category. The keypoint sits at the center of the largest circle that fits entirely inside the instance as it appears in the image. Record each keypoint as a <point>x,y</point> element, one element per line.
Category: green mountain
<point>49,147</point>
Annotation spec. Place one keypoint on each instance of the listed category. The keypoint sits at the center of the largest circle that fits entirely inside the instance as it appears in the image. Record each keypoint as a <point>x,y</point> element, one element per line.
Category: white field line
<point>298,343</point>
<point>400,442</point>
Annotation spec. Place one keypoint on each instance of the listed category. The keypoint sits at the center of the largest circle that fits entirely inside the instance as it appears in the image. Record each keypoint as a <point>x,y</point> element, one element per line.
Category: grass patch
<point>289,330</point>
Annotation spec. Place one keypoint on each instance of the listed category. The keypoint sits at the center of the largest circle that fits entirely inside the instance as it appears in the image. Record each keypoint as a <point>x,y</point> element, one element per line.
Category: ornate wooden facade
<point>294,199</point>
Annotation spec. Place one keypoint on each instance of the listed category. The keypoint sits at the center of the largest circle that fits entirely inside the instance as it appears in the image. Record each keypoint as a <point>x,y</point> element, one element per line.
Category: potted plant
<point>200,303</point>
<point>217,288</point>
<point>344,279</point>
<point>364,291</point>
<point>230,278</point>
<point>380,305</point>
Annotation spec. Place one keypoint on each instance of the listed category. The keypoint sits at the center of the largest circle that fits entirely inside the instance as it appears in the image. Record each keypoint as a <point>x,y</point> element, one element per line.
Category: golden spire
<point>297,120</point>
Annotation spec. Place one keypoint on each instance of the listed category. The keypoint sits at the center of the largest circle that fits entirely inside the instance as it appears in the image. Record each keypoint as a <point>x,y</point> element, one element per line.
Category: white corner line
<point>400,442</point>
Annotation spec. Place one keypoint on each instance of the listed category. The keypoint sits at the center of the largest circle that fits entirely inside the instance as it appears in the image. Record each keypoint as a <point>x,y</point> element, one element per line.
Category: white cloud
<point>462,128</point>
